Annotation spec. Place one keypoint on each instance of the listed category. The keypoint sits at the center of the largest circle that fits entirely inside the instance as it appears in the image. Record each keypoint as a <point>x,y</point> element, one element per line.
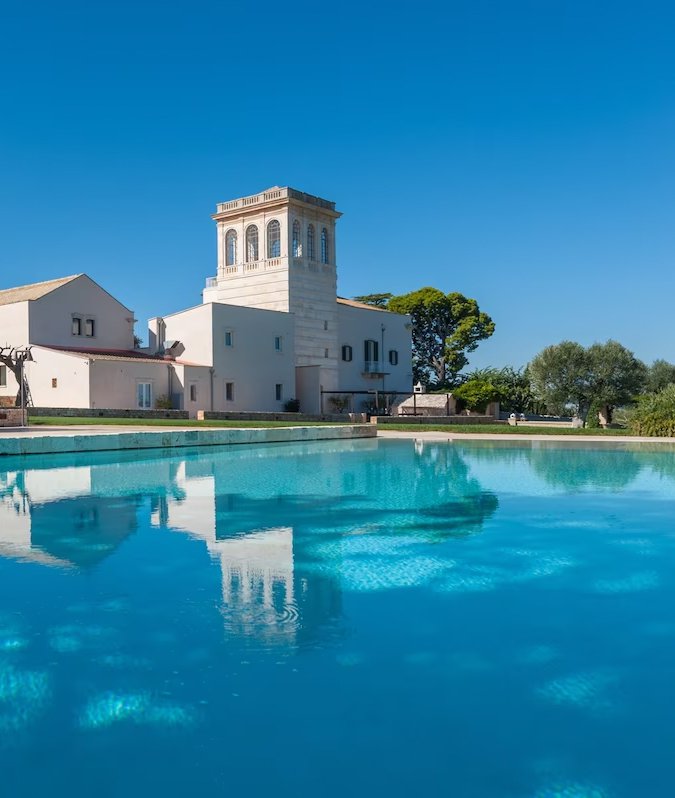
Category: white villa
<point>271,326</point>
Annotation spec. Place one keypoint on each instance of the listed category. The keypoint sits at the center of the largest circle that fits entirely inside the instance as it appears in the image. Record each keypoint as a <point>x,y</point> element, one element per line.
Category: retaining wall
<point>89,412</point>
<point>384,420</point>
<point>12,417</point>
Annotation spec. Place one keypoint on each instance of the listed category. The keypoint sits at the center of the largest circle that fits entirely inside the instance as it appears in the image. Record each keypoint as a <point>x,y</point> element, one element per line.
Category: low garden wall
<point>12,417</point>
<point>438,420</point>
<point>217,415</point>
<point>89,412</point>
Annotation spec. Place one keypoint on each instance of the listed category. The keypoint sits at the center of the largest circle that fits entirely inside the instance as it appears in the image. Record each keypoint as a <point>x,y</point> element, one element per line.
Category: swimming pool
<point>367,618</point>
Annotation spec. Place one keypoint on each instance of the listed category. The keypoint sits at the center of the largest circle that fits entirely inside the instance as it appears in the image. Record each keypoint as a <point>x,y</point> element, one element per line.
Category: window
<point>325,353</point>
<point>229,338</point>
<point>144,395</point>
<point>251,243</point>
<point>393,357</point>
<point>229,392</point>
<point>278,343</point>
<point>297,246</point>
<point>347,353</point>
<point>193,392</point>
<point>274,239</point>
<point>278,391</point>
<point>3,376</point>
<point>371,351</point>
<point>325,325</point>
<point>55,382</point>
<point>76,328</point>
<point>90,328</point>
<point>311,254</point>
<point>231,248</point>
<point>324,245</point>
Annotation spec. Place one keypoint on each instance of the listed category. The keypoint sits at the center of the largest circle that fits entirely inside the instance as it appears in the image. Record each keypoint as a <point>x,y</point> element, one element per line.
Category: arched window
<point>251,243</point>
<point>324,245</point>
<point>274,239</point>
<point>311,252</point>
<point>231,248</point>
<point>297,246</point>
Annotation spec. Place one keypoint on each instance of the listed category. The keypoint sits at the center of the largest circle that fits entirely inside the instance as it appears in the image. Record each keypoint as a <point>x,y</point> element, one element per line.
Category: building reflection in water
<point>290,527</point>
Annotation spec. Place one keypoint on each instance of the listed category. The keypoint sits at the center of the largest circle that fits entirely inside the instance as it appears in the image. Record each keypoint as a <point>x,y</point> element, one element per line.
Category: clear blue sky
<point>522,153</point>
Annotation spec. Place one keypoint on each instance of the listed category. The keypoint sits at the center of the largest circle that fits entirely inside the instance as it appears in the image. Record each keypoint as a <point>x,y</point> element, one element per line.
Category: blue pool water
<point>371,618</point>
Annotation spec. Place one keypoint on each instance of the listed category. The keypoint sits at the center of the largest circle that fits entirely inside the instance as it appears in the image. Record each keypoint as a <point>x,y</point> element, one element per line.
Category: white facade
<point>248,352</point>
<point>271,327</point>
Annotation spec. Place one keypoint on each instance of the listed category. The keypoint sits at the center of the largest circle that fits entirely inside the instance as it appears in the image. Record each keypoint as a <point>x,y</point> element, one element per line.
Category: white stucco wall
<point>71,375</point>
<point>51,317</point>
<point>114,382</point>
<point>252,364</point>
<point>14,328</point>
<point>356,325</point>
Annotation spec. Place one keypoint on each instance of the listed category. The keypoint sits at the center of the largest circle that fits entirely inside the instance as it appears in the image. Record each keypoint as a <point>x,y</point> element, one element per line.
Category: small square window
<point>229,338</point>
<point>278,391</point>
<point>229,392</point>
<point>278,343</point>
<point>76,327</point>
<point>90,328</point>
<point>55,382</point>
<point>193,392</point>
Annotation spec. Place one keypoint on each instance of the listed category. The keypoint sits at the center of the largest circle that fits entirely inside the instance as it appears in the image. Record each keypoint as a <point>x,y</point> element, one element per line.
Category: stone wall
<point>449,420</point>
<point>214,415</point>
<point>12,417</point>
<point>86,412</point>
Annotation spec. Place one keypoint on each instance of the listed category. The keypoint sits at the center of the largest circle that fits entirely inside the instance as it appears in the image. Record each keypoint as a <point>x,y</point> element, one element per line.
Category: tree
<point>559,375</point>
<point>445,328</point>
<point>659,375</point>
<point>616,376</point>
<point>514,387</point>
<point>15,359</point>
<point>476,394</point>
<point>567,376</point>
<point>377,300</point>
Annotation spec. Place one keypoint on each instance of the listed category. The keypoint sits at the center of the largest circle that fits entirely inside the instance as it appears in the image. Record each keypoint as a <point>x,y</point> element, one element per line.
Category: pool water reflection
<point>362,618</point>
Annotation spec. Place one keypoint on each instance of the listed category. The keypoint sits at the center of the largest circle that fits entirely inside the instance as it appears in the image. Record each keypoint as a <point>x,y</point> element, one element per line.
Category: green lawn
<point>500,429</point>
<point>66,421</point>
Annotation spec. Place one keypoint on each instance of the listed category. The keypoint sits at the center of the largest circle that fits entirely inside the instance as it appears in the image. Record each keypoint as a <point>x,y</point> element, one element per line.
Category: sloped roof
<point>352,303</point>
<point>127,355</point>
<point>24,293</point>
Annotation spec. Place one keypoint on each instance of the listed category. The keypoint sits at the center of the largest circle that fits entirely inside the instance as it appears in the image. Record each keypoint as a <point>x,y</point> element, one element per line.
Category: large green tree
<point>567,376</point>
<point>446,327</point>
<point>659,375</point>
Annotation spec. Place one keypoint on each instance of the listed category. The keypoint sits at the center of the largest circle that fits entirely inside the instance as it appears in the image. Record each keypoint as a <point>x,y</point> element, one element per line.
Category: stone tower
<point>276,251</point>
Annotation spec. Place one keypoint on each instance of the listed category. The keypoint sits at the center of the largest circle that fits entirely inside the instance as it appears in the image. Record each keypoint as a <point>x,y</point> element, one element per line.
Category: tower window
<point>297,246</point>
<point>274,239</point>
<point>228,338</point>
<point>393,357</point>
<point>231,248</point>
<point>324,245</point>
<point>278,391</point>
<point>229,392</point>
<point>347,353</point>
<point>251,243</point>
<point>278,343</point>
<point>193,392</point>
<point>311,252</point>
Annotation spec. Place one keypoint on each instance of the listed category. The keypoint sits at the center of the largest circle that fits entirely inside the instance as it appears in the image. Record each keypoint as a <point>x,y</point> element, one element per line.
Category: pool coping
<point>438,435</point>
<point>60,440</point>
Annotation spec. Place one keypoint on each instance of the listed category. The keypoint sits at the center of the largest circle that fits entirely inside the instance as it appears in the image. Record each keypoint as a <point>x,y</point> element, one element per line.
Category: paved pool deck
<point>439,435</point>
<point>91,438</point>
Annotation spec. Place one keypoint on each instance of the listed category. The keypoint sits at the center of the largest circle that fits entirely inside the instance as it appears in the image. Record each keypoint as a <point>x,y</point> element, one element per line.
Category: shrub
<point>164,403</point>
<point>476,394</point>
<point>338,403</point>
<point>654,415</point>
<point>292,406</point>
